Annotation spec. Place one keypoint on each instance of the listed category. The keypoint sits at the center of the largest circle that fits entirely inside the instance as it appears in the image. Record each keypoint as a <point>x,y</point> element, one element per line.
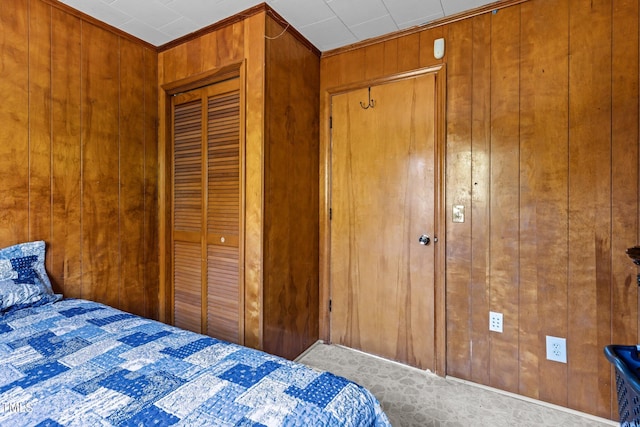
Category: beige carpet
<point>411,397</point>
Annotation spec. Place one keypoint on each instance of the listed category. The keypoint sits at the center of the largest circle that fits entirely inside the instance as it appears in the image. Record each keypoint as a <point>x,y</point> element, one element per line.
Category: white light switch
<point>458,213</point>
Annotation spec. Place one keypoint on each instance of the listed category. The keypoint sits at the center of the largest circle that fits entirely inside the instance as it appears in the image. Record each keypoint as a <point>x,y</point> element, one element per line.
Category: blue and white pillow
<point>18,294</point>
<point>23,278</point>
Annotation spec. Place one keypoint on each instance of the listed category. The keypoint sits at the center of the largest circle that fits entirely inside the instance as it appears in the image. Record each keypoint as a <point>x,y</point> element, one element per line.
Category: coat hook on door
<point>371,104</point>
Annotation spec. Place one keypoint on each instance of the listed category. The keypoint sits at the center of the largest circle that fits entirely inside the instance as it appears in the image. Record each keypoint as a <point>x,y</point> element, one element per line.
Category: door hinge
<point>330,214</point>
<point>329,306</point>
<point>330,122</point>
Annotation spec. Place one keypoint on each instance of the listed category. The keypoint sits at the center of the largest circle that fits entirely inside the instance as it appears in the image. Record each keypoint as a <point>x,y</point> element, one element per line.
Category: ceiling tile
<point>101,11</point>
<point>374,28</point>
<point>145,32</point>
<point>233,7</point>
<point>178,28</point>
<point>354,12</point>
<point>406,11</point>
<point>202,12</point>
<point>152,13</point>
<point>303,13</point>
<point>328,34</point>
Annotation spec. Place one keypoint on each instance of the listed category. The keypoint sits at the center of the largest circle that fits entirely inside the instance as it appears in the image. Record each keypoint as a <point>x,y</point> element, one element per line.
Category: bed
<point>74,362</point>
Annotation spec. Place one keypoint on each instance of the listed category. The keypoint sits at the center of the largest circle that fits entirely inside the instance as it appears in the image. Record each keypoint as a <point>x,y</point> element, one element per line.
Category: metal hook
<point>371,104</point>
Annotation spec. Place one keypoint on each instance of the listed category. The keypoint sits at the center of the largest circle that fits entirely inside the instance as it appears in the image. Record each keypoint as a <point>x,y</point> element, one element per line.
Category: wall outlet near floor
<point>557,349</point>
<point>495,321</point>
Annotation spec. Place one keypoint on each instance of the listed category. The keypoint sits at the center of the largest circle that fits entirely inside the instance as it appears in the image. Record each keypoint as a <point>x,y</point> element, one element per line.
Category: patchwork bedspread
<point>79,363</point>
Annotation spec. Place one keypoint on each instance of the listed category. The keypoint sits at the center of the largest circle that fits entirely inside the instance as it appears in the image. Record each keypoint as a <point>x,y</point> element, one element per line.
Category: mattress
<point>79,363</point>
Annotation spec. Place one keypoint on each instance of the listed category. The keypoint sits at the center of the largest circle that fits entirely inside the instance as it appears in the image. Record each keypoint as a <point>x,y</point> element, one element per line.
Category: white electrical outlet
<point>557,349</point>
<point>495,321</point>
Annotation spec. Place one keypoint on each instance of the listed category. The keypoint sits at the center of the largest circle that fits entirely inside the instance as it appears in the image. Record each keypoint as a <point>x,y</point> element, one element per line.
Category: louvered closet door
<point>207,182</point>
<point>187,212</point>
<point>223,215</point>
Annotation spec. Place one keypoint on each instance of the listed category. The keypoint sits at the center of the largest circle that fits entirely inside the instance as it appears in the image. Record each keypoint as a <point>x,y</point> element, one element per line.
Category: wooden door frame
<point>439,208</point>
<point>165,190</point>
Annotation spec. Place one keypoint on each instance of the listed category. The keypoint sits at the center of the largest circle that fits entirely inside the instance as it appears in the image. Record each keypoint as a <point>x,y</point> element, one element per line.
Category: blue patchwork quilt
<point>79,363</point>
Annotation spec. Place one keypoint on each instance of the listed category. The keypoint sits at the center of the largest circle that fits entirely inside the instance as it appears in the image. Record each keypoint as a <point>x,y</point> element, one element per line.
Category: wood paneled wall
<point>78,153</point>
<point>542,150</point>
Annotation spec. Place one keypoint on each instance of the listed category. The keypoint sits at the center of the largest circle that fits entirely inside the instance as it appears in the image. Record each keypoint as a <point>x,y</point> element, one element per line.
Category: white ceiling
<point>327,24</point>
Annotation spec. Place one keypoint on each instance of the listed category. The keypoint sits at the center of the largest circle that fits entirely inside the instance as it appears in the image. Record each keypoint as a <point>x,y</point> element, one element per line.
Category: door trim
<point>439,208</point>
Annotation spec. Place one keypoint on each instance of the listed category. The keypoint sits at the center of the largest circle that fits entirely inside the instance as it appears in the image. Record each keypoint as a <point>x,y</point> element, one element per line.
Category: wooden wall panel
<point>624,191</point>
<point>131,183</point>
<point>480,203</point>
<point>291,145</point>
<point>505,198</point>
<point>66,239</point>
<point>375,67</point>
<point>411,48</point>
<point>624,155</point>
<point>100,87</point>
<point>543,192</point>
<point>14,133</point>
<point>173,64</point>
<point>459,115</point>
<point>542,149</point>
<point>232,41</point>
<point>212,50</point>
<point>588,307</point>
<point>254,181</point>
<point>390,57</point>
<point>151,184</point>
<point>61,144</point>
<point>193,55</point>
<point>40,122</point>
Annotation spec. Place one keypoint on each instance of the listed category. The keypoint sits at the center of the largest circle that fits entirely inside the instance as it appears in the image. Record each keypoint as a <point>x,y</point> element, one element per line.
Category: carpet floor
<point>411,397</point>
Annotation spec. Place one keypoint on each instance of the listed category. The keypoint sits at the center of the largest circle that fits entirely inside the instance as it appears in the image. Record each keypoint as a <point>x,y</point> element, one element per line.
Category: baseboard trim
<point>534,401</point>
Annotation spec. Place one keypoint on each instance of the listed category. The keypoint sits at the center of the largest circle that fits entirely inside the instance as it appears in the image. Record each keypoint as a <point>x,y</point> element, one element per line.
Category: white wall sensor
<point>438,48</point>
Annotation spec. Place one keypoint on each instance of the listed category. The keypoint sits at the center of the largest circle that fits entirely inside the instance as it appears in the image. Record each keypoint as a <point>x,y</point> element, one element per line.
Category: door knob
<point>424,240</point>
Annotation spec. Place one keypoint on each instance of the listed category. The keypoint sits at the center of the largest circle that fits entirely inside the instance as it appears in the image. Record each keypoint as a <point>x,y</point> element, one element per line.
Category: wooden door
<point>207,211</point>
<point>382,201</point>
